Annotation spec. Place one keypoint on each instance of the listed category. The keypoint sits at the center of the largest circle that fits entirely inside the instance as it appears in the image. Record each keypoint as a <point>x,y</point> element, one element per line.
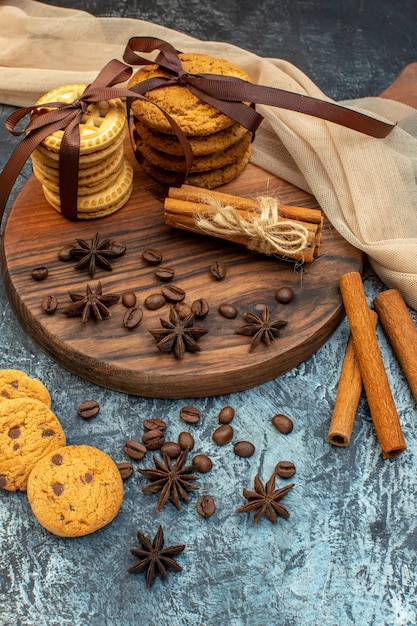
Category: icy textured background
<point>347,555</point>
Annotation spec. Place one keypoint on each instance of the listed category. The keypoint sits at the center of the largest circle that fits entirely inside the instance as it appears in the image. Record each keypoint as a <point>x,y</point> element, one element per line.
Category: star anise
<point>96,253</point>
<point>261,328</point>
<point>265,500</point>
<point>178,335</point>
<point>154,558</point>
<point>93,305</point>
<point>172,480</point>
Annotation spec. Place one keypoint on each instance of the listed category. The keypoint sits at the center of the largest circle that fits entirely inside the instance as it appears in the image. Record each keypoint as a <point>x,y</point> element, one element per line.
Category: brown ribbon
<point>229,94</point>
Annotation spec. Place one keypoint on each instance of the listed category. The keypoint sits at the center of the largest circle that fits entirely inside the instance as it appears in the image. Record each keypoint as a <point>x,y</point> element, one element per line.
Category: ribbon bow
<point>229,94</point>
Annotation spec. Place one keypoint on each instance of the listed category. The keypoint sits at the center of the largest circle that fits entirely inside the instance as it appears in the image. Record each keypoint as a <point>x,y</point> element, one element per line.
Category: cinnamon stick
<point>375,380</point>
<point>401,332</point>
<point>348,394</point>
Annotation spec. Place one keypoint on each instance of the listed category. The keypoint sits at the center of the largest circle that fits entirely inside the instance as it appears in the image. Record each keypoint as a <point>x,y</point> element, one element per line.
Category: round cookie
<point>104,202</point>
<point>28,431</point>
<point>75,490</point>
<point>17,384</point>
<point>101,122</point>
<point>194,116</point>
<point>208,180</point>
<point>200,146</point>
<point>204,163</point>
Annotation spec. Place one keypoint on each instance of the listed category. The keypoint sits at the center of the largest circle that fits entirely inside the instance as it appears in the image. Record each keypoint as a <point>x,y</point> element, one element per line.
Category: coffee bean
<point>154,423</point>
<point>173,293</point>
<point>200,308</point>
<point>88,408</point>
<point>165,273</point>
<point>132,317</point>
<point>129,299</point>
<point>205,506</point>
<point>190,414</point>
<point>171,449</point>
<point>153,439</point>
<point>183,309</point>
<point>282,423</point>
<point>244,449</point>
<point>284,295</point>
<point>135,449</point>
<point>226,415</point>
<point>65,253</point>
<point>186,441</point>
<point>117,247</point>
<point>39,273</point>
<point>125,469</point>
<point>218,270</point>
<point>285,469</point>
<point>155,301</point>
<point>223,434</point>
<point>203,463</point>
<point>49,304</point>
<point>228,311</point>
<point>152,256</point>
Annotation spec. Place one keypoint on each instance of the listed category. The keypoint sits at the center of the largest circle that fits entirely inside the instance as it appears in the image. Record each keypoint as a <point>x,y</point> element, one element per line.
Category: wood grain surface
<point>106,353</point>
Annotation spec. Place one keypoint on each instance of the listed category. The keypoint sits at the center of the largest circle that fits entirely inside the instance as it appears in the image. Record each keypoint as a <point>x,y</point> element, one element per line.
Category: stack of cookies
<point>105,176</point>
<point>221,147</point>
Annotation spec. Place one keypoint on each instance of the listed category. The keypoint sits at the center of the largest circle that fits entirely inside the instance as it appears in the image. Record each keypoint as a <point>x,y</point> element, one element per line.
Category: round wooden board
<point>107,354</point>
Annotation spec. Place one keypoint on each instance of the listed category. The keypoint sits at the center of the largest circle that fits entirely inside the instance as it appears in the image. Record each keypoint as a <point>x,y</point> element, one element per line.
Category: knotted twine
<point>265,230</point>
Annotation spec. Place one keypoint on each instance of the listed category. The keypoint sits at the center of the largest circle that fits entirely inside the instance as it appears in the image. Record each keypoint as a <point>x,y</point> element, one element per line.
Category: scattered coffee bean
<point>223,434</point>
<point>282,423</point>
<point>183,309</point>
<point>125,469</point>
<point>186,441</point>
<point>200,308</point>
<point>203,463</point>
<point>165,273</point>
<point>49,304</point>
<point>153,439</point>
<point>129,299</point>
<point>117,247</point>
<point>173,293</point>
<point>154,423</point>
<point>132,317</point>
<point>284,295</point>
<point>244,449</point>
<point>171,449</point>
<point>226,415</point>
<point>135,449</point>
<point>39,273</point>
<point>205,506</point>
<point>65,253</point>
<point>218,270</point>
<point>228,311</point>
<point>88,408</point>
<point>190,414</point>
<point>155,301</point>
<point>152,256</point>
<point>285,469</point>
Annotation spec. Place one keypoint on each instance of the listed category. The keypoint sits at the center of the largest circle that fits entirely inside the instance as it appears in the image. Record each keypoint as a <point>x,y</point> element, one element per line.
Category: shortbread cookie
<point>17,384</point>
<point>194,116</point>
<point>28,431</point>
<point>102,203</point>
<point>75,490</point>
<point>205,163</point>
<point>208,180</point>
<point>200,146</point>
<point>101,123</point>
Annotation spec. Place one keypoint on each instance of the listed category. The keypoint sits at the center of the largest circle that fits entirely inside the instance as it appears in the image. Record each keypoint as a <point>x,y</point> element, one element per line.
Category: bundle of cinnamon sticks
<point>262,225</point>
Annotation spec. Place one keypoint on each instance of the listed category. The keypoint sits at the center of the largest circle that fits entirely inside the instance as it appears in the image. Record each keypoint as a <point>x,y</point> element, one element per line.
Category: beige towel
<point>366,186</point>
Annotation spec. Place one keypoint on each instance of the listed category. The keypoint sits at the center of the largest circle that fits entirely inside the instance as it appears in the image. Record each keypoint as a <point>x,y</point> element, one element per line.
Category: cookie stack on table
<point>221,147</point>
<point>105,176</point>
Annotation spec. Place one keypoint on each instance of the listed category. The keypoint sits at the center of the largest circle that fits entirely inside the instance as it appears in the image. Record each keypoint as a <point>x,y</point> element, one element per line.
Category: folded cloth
<point>365,186</point>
